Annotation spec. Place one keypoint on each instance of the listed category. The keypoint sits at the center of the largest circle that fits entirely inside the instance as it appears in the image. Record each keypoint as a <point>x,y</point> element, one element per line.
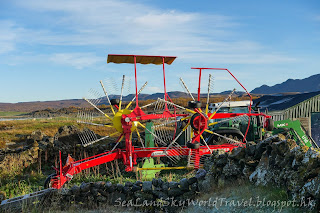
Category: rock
<point>231,170</point>
<point>138,183</point>
<point>116,197</point>
<point>143,196</point>
<point>103,192</point>
<point>260,174</point>
<point>84,187</point>
<point>99,184</point>
<point>251,162</point>
<point>206,184</point>
<point>126,190</point>
<point>155,182</point>
<point>65,192</point>
<point>280,147</point>
<point>194,187</point>
<point>136,188</point>
<point>247,170</point>
<point>175,192</point>
<point>310,156</point>
<point>312,187</point>
<point>109,187</point>
<point>184,185</point>
<point>192,180</point>
<point>94,191</point>
<point>147,186</point>
<point>119,187</point>
<point>250,150</point>
<point>165,186</point>
<point>238,153</point>
<point>160,182</point>
<point>201,173</point>
<point>101,199</point>
<point>173,185</point>
<point>159,194</point>
<point>260,148</point>
<point>221,162</point>
<point>75,190</point>
<point>128,184</point>
<point>36,135</point>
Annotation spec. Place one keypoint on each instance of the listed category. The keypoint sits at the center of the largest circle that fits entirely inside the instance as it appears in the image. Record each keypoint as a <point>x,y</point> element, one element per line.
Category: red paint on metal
<point>199,84</point>
<point>135,78</point>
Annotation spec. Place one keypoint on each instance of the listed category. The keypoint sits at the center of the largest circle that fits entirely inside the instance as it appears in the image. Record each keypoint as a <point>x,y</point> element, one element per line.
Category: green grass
<point>47,126</point>
<point>11,114</point>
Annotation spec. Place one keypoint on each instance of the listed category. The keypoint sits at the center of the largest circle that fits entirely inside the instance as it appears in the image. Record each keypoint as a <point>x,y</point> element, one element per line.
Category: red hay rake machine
<point>126,121</point>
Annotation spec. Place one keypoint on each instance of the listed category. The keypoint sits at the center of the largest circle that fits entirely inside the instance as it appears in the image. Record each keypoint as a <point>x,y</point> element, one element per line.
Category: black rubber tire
<point>193,145</point>
<point>216,140</point>
<point>115,101</point>
<point>194,104</point>
<point>47,182</point>
<point>270,125</point>
<point>192,119</point>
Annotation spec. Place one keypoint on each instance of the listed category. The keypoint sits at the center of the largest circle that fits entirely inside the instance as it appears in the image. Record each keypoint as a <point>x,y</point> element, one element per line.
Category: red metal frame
<point>250,106</point>
<point>130,154</point>
<point>73,168</point>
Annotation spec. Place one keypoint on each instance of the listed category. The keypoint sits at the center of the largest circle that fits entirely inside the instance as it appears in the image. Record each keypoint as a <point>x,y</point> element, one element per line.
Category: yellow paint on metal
<point>117,120</point>
<point>214,123</point>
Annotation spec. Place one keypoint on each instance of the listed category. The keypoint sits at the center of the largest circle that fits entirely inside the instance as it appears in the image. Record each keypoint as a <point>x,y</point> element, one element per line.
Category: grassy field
<point>11,114</point>
<point>18,176</point>
<point>15,130</point>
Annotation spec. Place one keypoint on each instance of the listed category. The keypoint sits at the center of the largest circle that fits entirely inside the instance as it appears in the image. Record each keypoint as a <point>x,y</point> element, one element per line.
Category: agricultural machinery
<point>166,115</point>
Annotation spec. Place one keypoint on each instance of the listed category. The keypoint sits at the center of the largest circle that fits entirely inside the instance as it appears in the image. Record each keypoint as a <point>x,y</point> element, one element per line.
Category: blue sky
<point>53,50</point>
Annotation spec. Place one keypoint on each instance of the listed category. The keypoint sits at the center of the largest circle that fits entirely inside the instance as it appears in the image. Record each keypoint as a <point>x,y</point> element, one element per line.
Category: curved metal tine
<point>121,93</point>
<point>236,118</point>
<point>210,89</point>
<point>107,96</point>
<point>186,88</point>
<point>134,98</point>
<point>226,99</point>
<point>160,140</point>
<point>168,102</point>
<point>231,141</point>
<point>111,86</point>
<point>204,141</point>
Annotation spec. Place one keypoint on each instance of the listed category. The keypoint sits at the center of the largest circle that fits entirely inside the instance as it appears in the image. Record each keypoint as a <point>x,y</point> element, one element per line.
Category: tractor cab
<point>235,128</point>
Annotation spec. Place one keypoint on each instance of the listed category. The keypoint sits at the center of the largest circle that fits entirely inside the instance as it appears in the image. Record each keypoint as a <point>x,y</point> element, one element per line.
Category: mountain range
<point>290,86</point>
<point>310,84</point>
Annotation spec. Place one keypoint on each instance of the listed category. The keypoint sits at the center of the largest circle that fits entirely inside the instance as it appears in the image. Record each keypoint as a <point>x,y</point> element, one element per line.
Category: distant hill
<point>310,84</point>
<point>42,105</point>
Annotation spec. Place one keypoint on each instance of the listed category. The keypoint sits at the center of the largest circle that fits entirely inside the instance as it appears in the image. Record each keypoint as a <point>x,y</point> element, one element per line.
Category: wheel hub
<point>199,122</point>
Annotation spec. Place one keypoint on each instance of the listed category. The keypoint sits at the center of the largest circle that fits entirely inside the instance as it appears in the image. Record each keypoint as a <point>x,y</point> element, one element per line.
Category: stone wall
<point>146,196</point>
<point>278,163</point>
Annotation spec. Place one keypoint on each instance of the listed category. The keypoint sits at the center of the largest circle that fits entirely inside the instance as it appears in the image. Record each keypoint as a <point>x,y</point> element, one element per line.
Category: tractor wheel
<point>114,101</point>
<point>195,123</point>
<point>234,134</point>
<point>47,183</point>
<point>194,104</point>
<point>270,124</point>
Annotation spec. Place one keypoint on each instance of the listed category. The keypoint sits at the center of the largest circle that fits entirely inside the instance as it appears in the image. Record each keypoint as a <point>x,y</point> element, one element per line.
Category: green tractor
<point>236,128</point>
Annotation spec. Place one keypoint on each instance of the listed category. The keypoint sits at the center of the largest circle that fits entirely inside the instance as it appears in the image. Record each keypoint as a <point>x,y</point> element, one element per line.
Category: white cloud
<point>143,30</point>
<point>7,36</point>
<point>77,60</point>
